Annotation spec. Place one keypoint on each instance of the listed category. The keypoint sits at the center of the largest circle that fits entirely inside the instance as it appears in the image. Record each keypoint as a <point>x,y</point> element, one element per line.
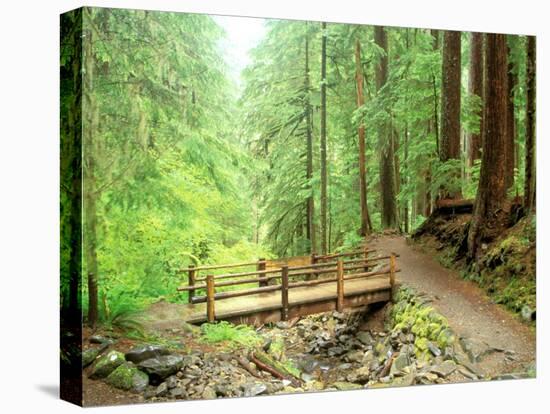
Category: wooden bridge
<point>283,289</point>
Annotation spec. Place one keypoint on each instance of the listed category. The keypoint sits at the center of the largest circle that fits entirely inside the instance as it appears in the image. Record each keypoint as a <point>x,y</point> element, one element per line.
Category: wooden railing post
<point>312,261</point>
<point>191,281</point>
<point>210,292</point>
<point>340,285</point>
<point>366,253</point>
<point>392,274</point>
<point>284,292</point>
<point>261,266</point>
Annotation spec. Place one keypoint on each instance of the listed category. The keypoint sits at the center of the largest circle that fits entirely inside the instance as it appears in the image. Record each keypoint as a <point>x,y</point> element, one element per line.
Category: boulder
<point>128,377</point>
<point>107,364</point>
<point>142,352</point>
<point>161,367</point>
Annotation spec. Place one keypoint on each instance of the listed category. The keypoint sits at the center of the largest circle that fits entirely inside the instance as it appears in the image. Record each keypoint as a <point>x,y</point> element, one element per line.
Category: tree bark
<point>309,137</point>
<point>529,189</point>
<point>323,149</point>
<point>365,220</point>
<point>387,180</point>
<point>491,193</point>
<point>90,190</point>
<point>450,105</point>
<point>510,123</point>
<point>475,87</point>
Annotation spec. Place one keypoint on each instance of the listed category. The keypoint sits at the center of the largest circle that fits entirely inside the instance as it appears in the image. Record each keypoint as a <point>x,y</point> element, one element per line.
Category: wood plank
<point>269,301</point>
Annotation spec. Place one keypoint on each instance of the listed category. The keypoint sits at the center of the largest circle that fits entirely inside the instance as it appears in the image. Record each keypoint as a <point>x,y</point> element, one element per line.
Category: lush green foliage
<point>226,332</point>
<point>181,167</point>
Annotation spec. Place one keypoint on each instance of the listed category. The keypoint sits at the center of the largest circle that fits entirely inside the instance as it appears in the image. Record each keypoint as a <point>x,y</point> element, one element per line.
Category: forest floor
<point>470,312</point>
<point>494,341</point>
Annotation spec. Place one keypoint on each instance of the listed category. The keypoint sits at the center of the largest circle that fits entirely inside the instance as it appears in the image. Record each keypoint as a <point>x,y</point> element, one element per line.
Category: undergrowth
<point>223,331</point>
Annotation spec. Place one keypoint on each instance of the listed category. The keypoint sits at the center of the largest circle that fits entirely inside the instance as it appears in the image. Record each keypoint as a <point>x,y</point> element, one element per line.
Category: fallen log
<point>245,363</point>
<point>454,206</point>
<point>264,362</point>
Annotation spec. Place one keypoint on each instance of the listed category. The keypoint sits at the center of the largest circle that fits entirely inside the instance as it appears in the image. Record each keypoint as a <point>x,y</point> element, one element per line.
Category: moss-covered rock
<point>446,338</point>
<point>128,377</point>
<point>107,364</point>
<point>412,312</point>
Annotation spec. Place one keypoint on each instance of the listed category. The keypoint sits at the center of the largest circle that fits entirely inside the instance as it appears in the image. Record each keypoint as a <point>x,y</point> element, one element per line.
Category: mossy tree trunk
<point>491,193</point>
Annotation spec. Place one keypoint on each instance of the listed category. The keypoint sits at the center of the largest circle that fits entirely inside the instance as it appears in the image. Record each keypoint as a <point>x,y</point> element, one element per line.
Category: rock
<point>434,349</point>
<point>253,389</point>
<point>399,363</point>
<point>149,393</point>
<point>475,349</point>
<point>267,344</point>
<point>128,377</point>
<point>345,386</point>
<point>162,366</point>
<point>282,325</point>
<point>89,356</point>
<point>368,357</point>
<point>360,376</point>
<point>365,337</point>
<point>307,364</point>
<point>107,364</point>
<point>354,356</point>
<point>336,351</point>
<point>404,381</point>
<point>177,392</point>
<point>528,314</point>
<point>209,393</point>
<point>306,377</point>
<point>463,360</point>
<point>143,352</point>
<point>161,390</point>
<point>445,338</point>
<point>172,381</point>
<point>339,316</point>
<point>102,340</point>
<point>427,377</point>
<point>466,373</point>
<point>444,369</point>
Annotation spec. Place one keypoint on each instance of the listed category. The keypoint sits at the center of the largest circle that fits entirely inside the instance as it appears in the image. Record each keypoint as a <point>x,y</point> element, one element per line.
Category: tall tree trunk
<point>309,136</point>
<point>323,150</point>
<point>529,190</point>
<point>475,87</point>
<point>510,124</point>
<point>406,176</point>
<point>90,190</point>
<point>450,105</point>
<point>433,126</point>
<point>491,193</point>
<point>365,220</point>
<point>387,180</point>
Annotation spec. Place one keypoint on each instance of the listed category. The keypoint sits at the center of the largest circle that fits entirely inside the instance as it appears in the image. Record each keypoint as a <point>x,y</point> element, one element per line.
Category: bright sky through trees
<point>242,35</point>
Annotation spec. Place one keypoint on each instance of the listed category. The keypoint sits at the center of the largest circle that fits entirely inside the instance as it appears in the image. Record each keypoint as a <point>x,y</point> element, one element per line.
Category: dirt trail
<point>468,309</point>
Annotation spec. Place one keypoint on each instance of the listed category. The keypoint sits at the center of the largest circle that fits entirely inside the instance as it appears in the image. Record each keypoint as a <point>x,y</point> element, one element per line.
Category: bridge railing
<point>334,271</point>
<point>263,267</point>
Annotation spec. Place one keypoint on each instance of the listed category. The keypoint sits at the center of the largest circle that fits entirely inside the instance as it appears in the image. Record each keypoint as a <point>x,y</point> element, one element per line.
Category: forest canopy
<point>334,131</point>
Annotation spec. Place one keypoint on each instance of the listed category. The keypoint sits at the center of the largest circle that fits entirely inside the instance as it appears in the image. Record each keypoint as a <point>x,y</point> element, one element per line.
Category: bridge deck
<point>373,289</point>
